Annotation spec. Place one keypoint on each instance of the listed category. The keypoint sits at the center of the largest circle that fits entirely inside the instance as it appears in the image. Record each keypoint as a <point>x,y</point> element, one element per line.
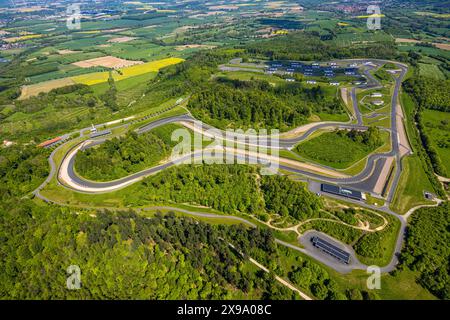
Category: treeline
<point>110,96</point>
<point>227,188</point>
<point>122,156</point>
<point>78,87</point>
<point>257,103</point>
<point>426,248</point>
<point>307,46</point>
<point>125,256</point>
<point>429,93</point>
<point>61,98</point>
<point>429,147</point>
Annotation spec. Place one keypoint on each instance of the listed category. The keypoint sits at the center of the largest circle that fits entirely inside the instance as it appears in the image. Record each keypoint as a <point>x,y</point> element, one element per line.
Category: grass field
<point>430,71</point>
<point>414,179</point>
<point>374,201</point>
<point>130,90</point>
<point>365,100</point>
<point>247,75</point>
<point>352,37</point>
<point>333,150</point>
<point>425,50</point>
<point>339,117</point>
<point>437,127</point>
<point>401,286</point>
<point>413,182</point>
<point>35,89</point>
<point>380,121</point>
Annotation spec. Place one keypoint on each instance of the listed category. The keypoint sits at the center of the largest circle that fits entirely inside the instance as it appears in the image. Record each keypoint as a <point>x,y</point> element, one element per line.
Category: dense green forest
<point>21,170</point>
<point>429,147</point>
<point>378,245</point>
<point>165,257</point>
<point>231,189</point>
<point>286,197</point>
<point>258,104</point>
<point>124,255</point>
<point>122,156</point>
<point>426,248</point>
<point>307,46</point>
<point>308,274</point>
<point>228,188</point>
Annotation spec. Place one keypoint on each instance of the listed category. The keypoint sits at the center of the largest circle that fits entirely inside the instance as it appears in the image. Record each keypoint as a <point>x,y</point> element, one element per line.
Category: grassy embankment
<point>413,180</point>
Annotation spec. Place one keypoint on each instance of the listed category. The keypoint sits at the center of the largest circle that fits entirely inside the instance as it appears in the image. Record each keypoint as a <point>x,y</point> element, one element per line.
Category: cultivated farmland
<point>107,62</point>
<point>35,89</point>
<point>98,77</point>
<point>136,70</point>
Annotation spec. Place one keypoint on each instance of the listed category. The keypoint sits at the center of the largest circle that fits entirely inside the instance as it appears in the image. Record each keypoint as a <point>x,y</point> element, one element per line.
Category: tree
<point>110,96</point>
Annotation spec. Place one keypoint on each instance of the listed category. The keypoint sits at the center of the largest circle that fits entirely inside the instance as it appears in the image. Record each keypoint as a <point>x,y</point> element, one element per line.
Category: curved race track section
<point>362,181</point>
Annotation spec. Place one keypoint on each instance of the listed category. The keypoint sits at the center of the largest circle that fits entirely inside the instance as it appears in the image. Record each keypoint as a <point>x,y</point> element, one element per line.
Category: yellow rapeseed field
<point>22,38</point>
<point>98,77</point>
<point>89,32</point>
<point>124,73</point>
<point>375,15</point>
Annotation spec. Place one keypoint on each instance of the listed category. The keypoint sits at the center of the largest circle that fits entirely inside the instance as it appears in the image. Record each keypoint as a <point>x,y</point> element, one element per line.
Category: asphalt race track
<point>364,181</point>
